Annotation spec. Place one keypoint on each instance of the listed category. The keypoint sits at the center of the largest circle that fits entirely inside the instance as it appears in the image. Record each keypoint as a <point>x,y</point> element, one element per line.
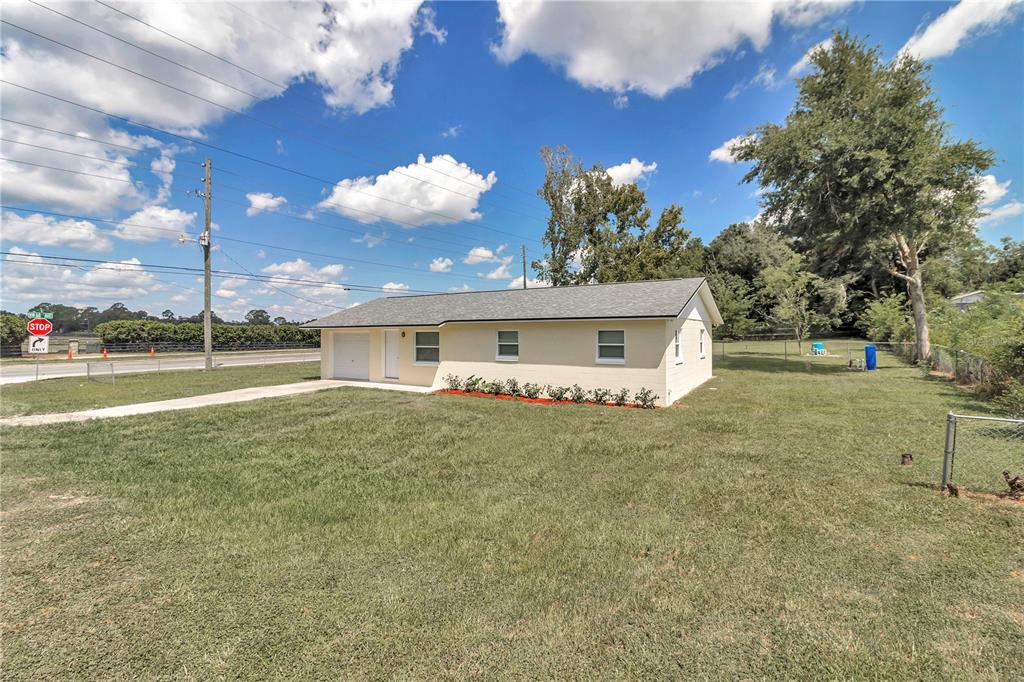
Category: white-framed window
<point>611,346</point>
<point>508,345</point>
<point>428,348</point>
<point>678,346</point>
<point>701,345</point>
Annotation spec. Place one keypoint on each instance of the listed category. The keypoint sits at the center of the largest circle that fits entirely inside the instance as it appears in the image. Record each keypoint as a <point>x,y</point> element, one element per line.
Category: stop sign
<point>39,327</point>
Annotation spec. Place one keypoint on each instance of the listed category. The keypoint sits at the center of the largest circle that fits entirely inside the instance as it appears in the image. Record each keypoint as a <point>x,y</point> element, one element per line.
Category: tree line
<point>70,319</point>
<point>869,206</point>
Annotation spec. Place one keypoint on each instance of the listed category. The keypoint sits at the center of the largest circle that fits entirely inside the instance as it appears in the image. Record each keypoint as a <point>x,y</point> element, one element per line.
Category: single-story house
<point>633,335</point>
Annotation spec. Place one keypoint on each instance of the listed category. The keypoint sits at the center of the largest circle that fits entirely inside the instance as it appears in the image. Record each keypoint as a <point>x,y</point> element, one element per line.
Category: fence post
<point>113,379</point>
<point>785,349</point>
<point>947,456</point>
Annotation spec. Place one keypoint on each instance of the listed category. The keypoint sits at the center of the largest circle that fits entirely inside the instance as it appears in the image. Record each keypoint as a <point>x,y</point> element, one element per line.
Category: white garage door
<point>351,356</point>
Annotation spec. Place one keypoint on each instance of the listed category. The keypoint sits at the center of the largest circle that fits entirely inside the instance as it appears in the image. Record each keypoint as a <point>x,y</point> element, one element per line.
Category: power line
<point>283,291</point>
<point>62,151</point>
<point>246,157</point>
<point>329,257</point>
<point>281,86</point>
<point>256,119</point>
<point>181,269</point>
<point>64,170</point>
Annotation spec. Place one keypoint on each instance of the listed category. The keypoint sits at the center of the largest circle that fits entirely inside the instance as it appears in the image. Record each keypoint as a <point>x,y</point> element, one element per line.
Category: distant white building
<point>965,301</point>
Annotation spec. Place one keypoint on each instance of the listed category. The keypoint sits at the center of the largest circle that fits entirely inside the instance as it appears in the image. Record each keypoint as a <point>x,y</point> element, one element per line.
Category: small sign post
<point>38,345</point>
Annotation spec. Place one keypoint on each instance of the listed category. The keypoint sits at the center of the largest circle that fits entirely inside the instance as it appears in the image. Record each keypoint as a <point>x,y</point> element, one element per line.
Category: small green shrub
<point>532,390</point>
<point>645,398</point>
<point>1011,401</point>
<point>600,395</point>
<point>557,392</point>
<point>621,397</point>
<point>512,388</point>
<point>577,394</point>
<point>492,387</point>
<point>473,383</point>
<point>452,382</point>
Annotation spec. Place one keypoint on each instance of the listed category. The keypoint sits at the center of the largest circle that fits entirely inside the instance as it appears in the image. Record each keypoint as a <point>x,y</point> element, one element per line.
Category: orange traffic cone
<point>152,351</point>
<point>69,354</point>
<point>104,353</point>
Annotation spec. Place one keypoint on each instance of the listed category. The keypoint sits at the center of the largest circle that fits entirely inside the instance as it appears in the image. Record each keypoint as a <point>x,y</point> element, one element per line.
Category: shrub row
<point>146,331</point>
<point>645,397</point>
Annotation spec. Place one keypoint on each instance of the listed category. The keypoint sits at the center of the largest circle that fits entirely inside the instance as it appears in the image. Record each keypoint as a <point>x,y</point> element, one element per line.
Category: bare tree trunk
<point>915,292</point>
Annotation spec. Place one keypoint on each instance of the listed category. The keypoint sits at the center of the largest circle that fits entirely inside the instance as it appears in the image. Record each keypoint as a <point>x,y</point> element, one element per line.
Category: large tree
<point>865,164</point>
<point>599,231</point>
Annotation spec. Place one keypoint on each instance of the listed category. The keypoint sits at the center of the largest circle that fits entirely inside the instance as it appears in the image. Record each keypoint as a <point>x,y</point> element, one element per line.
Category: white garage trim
<point>351,355</point>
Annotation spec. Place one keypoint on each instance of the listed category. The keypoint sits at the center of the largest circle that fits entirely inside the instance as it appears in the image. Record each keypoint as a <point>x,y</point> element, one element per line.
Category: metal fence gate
<point>983,454</point>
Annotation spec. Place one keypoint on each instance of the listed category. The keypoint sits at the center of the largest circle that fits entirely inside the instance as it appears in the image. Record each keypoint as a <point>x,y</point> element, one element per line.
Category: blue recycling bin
<point>870,357</point>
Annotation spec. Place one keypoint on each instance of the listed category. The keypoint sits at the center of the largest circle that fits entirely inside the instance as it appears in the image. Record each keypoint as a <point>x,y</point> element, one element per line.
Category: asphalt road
<point>21,372</point>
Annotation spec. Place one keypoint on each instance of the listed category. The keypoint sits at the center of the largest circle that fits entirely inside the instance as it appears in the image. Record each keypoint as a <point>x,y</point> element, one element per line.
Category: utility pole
<point>523,247</point>
<point>204,240</point>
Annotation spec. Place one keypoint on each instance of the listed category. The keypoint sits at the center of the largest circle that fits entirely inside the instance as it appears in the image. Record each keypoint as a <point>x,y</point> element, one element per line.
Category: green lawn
<point>78,393</point>
<point>762,529</point>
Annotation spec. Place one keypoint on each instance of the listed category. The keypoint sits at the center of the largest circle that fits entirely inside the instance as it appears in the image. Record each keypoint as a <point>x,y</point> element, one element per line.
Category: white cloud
<point>49,231</point>
<point>428,27</point>
<point>303,269</point>
<point>369,240</point>
<point>620,101</point>
<point>441,265</point>
<point>154,223</point>
<point>261,254</point>
<point>765,77</point>
<point>452,131</point>
<point>482,254</point>
<point>724,152</point>
<point>804,62</point>
<point>619,48</point>
<point>500,272</point>
<point>517,283</point>
<point>413,195</point>
<point>964,20</point>
<point>263,201</point>
<point>464,287</point>
<point>997,215</point>
<point>395,286</point>
<point>630,172</point>
<point>351,51</point>
<point>991,189</point>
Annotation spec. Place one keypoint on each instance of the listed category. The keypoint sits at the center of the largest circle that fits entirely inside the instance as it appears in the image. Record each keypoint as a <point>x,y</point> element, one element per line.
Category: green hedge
<point>12,330</point>
<point>144,331</point>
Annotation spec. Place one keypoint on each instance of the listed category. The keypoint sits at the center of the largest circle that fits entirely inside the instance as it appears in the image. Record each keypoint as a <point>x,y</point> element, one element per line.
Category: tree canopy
<point>864,168</point>
<point>599,231</point>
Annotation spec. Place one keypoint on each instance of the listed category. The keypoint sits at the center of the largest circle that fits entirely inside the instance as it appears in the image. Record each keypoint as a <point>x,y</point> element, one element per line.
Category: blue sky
<point>475,88</point>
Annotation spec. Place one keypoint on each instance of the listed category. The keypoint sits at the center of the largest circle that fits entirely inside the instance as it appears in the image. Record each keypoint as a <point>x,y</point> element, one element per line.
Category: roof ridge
<point>564,286</point>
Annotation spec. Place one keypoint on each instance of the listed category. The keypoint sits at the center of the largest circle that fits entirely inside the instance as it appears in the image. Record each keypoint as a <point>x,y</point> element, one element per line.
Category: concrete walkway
<point>237,396</point>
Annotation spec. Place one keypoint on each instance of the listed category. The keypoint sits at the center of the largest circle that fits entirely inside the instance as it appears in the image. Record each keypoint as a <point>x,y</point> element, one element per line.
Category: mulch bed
<point>532,401</point>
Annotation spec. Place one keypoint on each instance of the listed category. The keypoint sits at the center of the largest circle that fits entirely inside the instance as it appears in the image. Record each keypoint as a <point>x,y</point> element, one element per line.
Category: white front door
<point>351,355</point>
<point>391,341</point>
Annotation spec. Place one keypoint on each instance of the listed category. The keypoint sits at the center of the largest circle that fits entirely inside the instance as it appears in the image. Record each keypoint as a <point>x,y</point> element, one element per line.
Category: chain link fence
<point>983,455</point>
<point>789,349</point>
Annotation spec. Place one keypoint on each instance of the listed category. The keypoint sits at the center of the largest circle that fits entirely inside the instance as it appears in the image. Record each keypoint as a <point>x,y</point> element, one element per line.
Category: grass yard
<point>78,393</point>
<point>762,529</point>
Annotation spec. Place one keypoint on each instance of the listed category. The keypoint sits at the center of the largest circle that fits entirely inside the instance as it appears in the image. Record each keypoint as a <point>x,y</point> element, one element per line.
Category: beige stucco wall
<point>693,369</point>
<point>559,353</point>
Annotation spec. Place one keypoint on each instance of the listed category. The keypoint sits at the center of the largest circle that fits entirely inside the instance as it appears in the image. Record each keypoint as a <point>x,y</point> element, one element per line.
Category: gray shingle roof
<point>657,298</point>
